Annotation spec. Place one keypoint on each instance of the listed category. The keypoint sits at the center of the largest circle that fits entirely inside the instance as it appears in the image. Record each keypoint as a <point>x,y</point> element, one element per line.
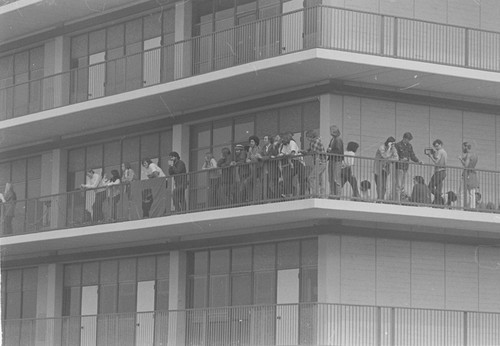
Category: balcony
<point>224,199</point>
<point>330,44</point>
<point>292,324</point>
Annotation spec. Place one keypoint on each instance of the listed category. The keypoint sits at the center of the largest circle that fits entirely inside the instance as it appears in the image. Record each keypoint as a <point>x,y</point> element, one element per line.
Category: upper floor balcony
<point>309,46</point>
<point>275,193</point>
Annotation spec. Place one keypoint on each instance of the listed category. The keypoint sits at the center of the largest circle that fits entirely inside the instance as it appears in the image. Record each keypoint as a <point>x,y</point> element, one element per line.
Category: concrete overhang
<point>22,18</point>
<point>374,218</point>
<point>247,82</point>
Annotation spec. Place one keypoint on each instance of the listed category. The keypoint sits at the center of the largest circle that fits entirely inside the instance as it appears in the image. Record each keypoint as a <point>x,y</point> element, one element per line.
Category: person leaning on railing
<point>470,181</point>
<point>177,169</point>
<point>213,175</point>
<point>336,147</point>
<point>405,154</point>
<point>316,180</point>
<point>227,177</point>
<point>385,155</point>
<point>438,156</point>
<point>9,199</point>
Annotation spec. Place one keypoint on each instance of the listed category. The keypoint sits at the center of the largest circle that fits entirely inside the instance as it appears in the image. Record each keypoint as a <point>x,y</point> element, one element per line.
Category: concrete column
<point>177,298</point>
<point>180,142</point>
<point>328,283</point>
<point>56,89</point>
<point>49,304</point>
<point>183,31</point>
<point>329,268</point>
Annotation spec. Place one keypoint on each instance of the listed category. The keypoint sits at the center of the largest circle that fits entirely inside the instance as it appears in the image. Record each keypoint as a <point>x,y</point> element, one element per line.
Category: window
<point>108,156</point>
<point>215,135</point>
<point>248,275</point>
<point>19,293</point>
<point>117,281</point>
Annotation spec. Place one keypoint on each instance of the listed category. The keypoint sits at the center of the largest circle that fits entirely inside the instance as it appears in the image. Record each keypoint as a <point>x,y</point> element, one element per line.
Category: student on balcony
<point>9,200</point>
<point>94,180</point>
<point>385,155</point>
<point>177,169</point>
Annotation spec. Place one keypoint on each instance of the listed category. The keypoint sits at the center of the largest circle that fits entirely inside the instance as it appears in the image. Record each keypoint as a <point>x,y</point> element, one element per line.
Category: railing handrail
<point>254,23</point>
<point>201,171</point>
<point>256,306</point>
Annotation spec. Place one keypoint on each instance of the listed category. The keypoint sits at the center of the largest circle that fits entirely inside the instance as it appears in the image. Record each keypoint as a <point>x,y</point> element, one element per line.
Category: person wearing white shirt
<point>346,172</point>
<point>95,196</point>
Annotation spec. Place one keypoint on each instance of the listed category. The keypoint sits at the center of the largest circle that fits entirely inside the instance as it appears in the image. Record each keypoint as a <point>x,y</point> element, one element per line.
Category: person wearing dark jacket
<point>420,193</point>
<point>177,169</point>
<point>405,154</point>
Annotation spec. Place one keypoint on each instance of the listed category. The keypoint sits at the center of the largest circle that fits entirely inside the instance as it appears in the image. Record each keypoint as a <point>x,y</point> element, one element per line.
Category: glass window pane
<point>79,46</point>
<point>264,288</point>
<point>146,268</point>
<point>116,35</point>
<point>4,174</point>
<point>90,273</point>
<point>243,128</point>
<point>18,171</point>
<point>290,119</point>
<point>126,297</point>
<point>71,301</point>
<point>14,280</point>
<point>310,252</point>
<point>30,279</point>
<point>241,259</point>
<point>127,270</point>
<point>76,160</point>
<point>199,287</point>
<point>109,272</point>
<point>169,21</point>
<point>150,146</point>
<point>219,290</point>
<point>130,149</point>
<point>36,58</point>
<point>241,290</point>
<point>29,304</point>
<point>94,156</point>
<point>200,263</point>
<point>112,154</point>
<point>222,133</point>
<point>108,299</point>
<point>21,63</point>
<point>97,40</point>
<point>133,31</point>
<point>162,295</point>
<point>165,145</point>
<point>311,116</point>
<point>264,257</point>
<point>288,255</point>
<point>13,308</point>
<point>72,275</point>
<point>309,285</point>
<point>152,25</point>
<point>162,267</point>
<point>34,188</point>
<point>266,123</point>
<point>200,136</point>
<point>34,167</point>
<point>219,261</point>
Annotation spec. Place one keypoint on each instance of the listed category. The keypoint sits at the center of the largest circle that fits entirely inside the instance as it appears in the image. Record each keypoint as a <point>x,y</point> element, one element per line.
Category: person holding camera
<point>385,154</point>
<point>438,156</point>
<point>405,154</point>
<point>177,169</point>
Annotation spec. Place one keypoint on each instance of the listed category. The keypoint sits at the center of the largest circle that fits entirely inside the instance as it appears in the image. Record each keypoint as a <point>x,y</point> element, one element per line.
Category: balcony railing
<point>269,181</point>
<point>293,324</point>
<point>313,27</point>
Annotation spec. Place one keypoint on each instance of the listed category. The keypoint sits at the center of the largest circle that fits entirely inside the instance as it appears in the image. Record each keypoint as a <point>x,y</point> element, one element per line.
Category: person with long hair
<point>9,200</point>
<point>385,154</point>
<point>114,192</point>
<point>348,163</point>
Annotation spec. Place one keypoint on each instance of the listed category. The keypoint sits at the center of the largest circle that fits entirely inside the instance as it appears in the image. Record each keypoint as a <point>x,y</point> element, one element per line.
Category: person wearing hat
<point>385,154</point>
<point>336,149</point>
<point>405,154</point>
<point>177,169</point>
